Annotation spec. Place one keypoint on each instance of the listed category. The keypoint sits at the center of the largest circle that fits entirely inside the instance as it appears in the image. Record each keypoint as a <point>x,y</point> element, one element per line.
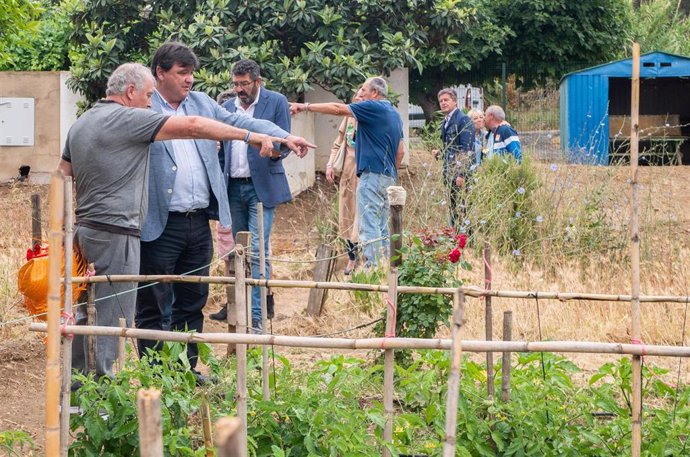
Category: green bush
<point>426,261</point>
<point>526,213</point>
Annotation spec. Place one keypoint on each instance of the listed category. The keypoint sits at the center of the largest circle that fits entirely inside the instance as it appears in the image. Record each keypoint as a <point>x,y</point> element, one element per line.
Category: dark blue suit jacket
<point>458,138</point>
<point>268,175</point>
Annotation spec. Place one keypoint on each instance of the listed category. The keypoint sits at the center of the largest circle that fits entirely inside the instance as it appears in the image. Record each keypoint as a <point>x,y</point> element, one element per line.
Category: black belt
<point>244,180</point>
<point>190,213</point>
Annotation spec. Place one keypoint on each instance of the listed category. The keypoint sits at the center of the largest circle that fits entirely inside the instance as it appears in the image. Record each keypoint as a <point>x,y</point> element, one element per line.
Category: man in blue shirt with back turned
<point>378,152</point>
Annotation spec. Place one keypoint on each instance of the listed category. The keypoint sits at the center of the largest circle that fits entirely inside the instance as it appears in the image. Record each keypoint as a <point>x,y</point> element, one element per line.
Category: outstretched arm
<point>197,127</point>
<point>334,109</point>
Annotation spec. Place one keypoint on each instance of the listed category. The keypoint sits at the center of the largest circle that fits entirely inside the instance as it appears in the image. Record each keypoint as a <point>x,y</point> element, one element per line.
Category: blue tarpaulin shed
<point>590,98</point>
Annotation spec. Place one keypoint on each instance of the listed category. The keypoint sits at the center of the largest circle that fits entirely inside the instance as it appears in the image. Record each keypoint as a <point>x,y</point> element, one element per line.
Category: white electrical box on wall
<point>16,121</point>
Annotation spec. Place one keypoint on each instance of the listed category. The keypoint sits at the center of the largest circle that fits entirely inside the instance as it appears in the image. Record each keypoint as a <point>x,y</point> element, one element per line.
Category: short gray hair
<point>126,74</point>
<point>378,84</point>
<point>497,112</point>
<point>446,91</point>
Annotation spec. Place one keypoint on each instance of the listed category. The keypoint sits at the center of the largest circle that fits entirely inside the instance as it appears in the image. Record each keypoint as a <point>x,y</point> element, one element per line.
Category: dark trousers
<point>185,246</point>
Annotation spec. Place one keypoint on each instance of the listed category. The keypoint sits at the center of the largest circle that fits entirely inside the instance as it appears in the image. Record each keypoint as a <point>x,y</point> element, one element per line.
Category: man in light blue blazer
<point>251,178</point>
<point>185,185</point>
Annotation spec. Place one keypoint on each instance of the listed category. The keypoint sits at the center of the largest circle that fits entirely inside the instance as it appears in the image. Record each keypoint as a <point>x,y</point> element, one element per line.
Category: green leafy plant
<point>107,424</point>
<point>368,301</point>
<point>335,408</point>
<point>429,259</point>
<point>16,443</point>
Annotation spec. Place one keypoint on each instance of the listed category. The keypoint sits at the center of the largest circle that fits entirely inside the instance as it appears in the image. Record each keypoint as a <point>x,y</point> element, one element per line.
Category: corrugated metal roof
<point>659,64</point>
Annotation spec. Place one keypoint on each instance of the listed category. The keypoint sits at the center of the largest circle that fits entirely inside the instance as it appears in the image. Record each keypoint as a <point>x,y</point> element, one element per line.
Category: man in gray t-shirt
<point>107,152</point>
<point>110,186</point>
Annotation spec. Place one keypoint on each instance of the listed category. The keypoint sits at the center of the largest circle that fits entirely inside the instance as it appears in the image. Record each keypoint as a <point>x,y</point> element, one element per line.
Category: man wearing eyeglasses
<point>186,186</point>
<point>252,179</point>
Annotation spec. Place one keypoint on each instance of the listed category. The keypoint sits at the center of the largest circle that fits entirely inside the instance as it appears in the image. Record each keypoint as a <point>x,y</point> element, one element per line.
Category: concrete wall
<point>326,127</point>
<point>300,172</point>
<point>55,110</point>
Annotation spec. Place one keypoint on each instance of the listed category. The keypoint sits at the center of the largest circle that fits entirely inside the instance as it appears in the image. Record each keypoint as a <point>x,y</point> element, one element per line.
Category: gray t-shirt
<point>108,147</point>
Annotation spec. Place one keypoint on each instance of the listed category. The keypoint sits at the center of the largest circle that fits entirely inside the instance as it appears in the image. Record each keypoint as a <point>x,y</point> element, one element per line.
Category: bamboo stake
<point>56,199</point>
<point>149,415</point>
<point>488,320</point>
<point>469,291</point>
<point>67,339</point>
<point>505,368</point>
<point>230,306</point>
<point>121,345</point>
<point>228,434</point>
<point>206,422</point>
<point>241,305</point>
<point>454,377</point>
<point>582,347</point>
<point>36,229</point>
<point>265,388</point>
<point>396,198</point>
<point>389,361</point>
<point>91,320</point>
<point>635,254</point>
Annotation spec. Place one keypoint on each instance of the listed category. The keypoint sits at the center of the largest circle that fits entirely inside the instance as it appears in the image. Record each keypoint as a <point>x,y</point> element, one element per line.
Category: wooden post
<point>91,320</point>
<point>323,270</point>
<point>396,197</point>
<point>149,415</point>
<point>505,368</point>
<point>454,376</point>
<point>265,388</point>
<point>36,230</point>
<point>243,239</point>
<point>121,345</point>
<point>230,303</point>
<point>488,320</point>
<point>57,201</point>
<point>635,254</point>
<point>67,339</point>
<point>206,423</point>
<point>228,437</point>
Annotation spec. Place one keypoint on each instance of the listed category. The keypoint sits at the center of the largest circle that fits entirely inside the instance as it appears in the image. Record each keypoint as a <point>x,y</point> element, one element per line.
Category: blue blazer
<point>268,175</point>
<point>458,138</point>
<point>162,167</point>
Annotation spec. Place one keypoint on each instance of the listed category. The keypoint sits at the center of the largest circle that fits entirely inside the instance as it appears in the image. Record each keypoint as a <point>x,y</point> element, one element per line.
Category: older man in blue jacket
<point>185,185</point>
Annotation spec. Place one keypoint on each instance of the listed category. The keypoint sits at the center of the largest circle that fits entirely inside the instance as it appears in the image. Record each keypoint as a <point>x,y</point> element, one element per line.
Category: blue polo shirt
<point>379,131</point>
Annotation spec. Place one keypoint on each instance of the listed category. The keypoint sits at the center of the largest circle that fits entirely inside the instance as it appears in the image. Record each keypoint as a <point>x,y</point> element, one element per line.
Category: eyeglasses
<point>242,84</point>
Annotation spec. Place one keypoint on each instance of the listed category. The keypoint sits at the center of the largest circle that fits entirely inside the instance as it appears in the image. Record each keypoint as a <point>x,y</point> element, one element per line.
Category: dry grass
<point>665,214</point>
<point>15,228</point>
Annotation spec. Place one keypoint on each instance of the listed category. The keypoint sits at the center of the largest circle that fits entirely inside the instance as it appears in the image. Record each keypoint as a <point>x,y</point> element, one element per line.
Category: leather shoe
<point>221,315</point>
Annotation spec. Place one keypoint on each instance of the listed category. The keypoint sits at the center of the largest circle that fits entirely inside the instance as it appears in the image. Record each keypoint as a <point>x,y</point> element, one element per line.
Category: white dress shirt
<point>239,165</point>
<point>191,190</point>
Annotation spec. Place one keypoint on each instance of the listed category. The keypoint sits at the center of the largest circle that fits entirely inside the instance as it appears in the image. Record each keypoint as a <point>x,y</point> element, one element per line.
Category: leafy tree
<point>659,25</point>
<point>46,45</point>
<point>299,43</point>
<point>16,16</point>
<point>548,36</point>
